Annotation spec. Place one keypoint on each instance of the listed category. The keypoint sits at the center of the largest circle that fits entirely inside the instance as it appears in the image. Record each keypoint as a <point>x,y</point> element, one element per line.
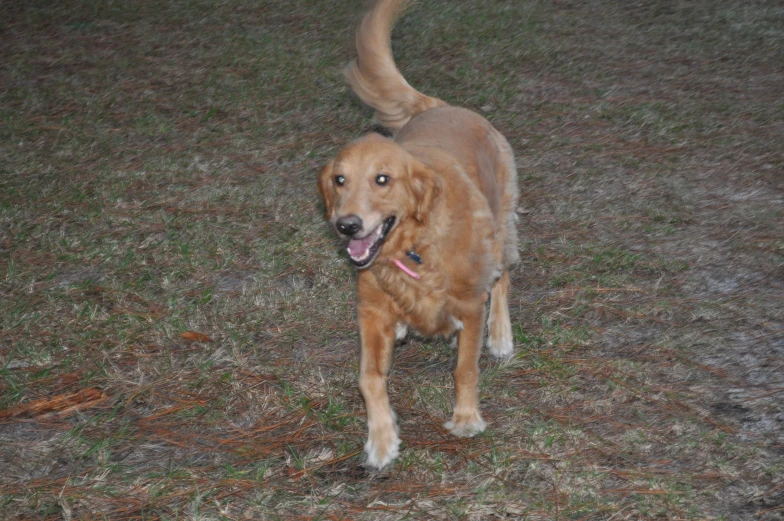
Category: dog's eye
<point>340,180</point>
<point>382,179</point>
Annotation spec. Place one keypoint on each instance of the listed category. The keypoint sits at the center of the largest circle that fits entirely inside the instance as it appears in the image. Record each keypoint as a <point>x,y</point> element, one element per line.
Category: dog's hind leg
<point>499,327</point>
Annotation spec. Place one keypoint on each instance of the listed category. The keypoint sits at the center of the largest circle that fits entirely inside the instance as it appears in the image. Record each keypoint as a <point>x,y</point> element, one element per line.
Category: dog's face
<point>369,189</point>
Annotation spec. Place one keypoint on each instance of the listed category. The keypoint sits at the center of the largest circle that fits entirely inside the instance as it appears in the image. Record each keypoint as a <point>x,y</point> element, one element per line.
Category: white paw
<point>382,446</point>
<point>502,348</point>
<point>466,426</point>
<point>381,452</point>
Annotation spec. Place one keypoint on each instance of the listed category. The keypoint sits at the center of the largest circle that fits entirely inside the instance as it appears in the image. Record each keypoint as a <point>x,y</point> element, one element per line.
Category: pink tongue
<point>357,247</point>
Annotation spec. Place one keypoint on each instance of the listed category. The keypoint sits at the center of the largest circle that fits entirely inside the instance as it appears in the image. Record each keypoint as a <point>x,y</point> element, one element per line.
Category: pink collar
<point>406,269</point>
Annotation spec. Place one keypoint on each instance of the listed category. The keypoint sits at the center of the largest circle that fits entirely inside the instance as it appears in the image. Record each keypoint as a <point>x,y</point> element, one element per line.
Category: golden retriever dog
<point>429,219</point>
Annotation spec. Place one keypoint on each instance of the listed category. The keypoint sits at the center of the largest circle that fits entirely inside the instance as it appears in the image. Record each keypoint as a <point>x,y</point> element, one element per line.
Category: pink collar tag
<point>406,269</point>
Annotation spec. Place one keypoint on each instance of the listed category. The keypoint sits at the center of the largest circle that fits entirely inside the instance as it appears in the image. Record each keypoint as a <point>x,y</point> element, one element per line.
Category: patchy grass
<point>177,338</point>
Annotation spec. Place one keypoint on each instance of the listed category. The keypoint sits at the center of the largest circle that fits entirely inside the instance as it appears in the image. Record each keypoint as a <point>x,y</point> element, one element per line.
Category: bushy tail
<point>373,74</point>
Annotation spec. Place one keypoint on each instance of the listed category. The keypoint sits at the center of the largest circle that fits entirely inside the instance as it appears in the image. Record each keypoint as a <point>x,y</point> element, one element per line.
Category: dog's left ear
<point>425,187</point>
<point>326,187</point>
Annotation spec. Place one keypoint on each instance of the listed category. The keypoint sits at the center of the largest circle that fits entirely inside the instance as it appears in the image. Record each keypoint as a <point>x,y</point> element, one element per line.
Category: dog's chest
<point>423,303</point>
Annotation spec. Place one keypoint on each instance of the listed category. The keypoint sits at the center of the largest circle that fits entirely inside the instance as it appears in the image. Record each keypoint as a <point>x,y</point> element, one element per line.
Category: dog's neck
<point>406,250</point>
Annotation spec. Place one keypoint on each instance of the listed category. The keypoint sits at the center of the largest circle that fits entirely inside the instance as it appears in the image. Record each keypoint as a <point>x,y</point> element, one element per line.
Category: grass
<point>177,334</point>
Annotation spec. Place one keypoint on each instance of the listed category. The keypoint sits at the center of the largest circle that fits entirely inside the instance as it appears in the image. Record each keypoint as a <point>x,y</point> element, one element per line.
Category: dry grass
<point>176,330</point>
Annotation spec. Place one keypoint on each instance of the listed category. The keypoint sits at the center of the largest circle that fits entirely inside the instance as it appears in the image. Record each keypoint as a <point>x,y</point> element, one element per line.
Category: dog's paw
<point>381,450</point>
<point>501,348</point>
<point>382,447</point>
<point>466,425</point>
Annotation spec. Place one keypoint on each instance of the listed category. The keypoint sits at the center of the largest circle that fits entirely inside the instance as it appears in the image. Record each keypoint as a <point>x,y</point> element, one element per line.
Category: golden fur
<point>445,188</point>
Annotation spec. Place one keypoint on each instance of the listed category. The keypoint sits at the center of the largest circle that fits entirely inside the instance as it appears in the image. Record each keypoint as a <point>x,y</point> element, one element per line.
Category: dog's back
<point>470,141</point>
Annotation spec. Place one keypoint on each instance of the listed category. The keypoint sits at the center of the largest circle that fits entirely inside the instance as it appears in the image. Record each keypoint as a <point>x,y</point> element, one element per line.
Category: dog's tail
<point>373,74</point>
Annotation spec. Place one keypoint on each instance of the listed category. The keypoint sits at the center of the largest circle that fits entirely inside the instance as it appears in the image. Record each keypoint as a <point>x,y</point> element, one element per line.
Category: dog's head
<point>372,187</point>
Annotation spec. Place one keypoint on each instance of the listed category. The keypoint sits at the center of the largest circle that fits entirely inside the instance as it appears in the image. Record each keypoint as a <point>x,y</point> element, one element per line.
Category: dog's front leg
<point>377,334</point>
<point>466,420</point>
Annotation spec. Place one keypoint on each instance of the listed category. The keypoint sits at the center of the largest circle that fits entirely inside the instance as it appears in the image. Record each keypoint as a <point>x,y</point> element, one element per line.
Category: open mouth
<point>363,251</point>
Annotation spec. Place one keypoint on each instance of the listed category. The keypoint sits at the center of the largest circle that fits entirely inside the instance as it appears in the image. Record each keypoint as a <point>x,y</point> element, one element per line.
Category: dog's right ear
<point>326,187</point>
<point>425,187</point>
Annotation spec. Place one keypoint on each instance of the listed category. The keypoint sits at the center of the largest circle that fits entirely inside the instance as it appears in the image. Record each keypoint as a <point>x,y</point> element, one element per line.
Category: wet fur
<point>453,190</point>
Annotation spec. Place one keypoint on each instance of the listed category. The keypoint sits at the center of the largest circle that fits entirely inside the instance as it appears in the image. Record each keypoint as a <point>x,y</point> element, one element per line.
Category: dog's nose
<point>349,224</point>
